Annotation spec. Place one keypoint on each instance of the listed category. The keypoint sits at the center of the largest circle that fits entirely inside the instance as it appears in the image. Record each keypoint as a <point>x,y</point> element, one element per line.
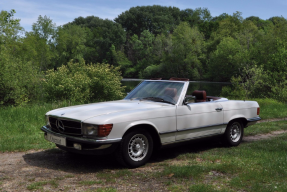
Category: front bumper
<point>88,146</point>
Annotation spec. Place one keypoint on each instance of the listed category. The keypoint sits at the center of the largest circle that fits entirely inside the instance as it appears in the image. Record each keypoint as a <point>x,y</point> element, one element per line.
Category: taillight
<point>104,130</point>
<point>258,110</point>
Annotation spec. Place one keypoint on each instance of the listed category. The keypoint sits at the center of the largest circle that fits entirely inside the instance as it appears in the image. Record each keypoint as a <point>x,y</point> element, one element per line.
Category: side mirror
<point>189,99</point>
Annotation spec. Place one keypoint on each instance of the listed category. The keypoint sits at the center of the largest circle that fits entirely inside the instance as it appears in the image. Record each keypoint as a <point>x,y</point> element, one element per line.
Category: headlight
<point>97,130</point>
<point>90,129</point>
<point>47,121</point>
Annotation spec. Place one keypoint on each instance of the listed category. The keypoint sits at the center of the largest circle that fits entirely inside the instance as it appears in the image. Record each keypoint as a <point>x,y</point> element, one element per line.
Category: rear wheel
<point>234,133</point>
<point>135,149</point>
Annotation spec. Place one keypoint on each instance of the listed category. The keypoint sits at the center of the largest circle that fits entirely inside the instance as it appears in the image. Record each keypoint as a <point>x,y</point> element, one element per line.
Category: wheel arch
<point>150,129</point>
<point>243,120</point>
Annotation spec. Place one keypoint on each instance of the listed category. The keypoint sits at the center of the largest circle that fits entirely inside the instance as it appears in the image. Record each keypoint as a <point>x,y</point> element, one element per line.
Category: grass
<point>256,166</point>
<point>20,126</point>
<point>266,127</point>
<point>39,185</point>
<point>90,182</point>
<point>270,108</point>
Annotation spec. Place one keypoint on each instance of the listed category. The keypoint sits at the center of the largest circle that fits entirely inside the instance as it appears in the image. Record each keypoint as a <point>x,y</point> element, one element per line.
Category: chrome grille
<point>64,126</point>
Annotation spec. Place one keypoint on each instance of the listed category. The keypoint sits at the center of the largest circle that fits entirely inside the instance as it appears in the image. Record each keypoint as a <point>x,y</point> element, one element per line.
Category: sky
<point>64,11</point>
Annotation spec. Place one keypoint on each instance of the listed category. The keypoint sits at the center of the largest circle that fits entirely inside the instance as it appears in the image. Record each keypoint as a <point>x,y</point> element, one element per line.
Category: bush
<point>19,80</point>
<point>83,83</point>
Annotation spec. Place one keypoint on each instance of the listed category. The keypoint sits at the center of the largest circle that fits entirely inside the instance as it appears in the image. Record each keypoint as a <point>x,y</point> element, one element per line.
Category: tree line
<point>145,42</point>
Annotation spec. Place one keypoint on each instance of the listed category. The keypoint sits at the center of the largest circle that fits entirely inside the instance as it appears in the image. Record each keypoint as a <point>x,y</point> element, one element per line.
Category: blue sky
<point>64,11</point>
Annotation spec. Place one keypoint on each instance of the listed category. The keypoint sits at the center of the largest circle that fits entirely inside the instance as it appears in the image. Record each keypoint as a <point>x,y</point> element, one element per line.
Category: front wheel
<point>234,133</point>
<point>135,149</point>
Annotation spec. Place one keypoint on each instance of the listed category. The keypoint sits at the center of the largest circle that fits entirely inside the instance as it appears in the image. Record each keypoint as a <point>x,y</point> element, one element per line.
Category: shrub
<point>18,79</point>
<point>83,83</point>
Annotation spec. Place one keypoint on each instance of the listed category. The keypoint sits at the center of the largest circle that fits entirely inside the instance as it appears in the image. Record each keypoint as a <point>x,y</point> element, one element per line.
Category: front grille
<point>67,127</point>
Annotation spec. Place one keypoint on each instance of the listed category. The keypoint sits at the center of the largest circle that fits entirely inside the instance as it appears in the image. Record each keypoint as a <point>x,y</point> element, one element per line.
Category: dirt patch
<point>263,136</point>
<point>56,170</point>
<point>271,120</point>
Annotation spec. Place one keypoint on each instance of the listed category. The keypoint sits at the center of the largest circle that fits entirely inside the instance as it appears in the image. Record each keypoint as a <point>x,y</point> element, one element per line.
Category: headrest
<point>170,92</point>
<point>179,79</point>
<point>199,94</point>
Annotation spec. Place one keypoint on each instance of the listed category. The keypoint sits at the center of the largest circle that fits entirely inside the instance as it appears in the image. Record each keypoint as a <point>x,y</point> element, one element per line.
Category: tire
<point>135,149</point>
<point>234,133</point>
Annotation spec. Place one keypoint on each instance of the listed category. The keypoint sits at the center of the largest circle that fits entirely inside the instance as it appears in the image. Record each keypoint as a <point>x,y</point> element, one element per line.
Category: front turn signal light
<point>104,130</point>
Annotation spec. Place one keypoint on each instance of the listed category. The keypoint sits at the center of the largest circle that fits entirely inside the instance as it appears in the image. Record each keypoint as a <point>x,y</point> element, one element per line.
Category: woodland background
<point>85,59</point>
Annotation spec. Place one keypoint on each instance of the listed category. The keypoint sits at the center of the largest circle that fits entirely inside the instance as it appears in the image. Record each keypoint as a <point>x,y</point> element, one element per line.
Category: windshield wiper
<point>157,99</point>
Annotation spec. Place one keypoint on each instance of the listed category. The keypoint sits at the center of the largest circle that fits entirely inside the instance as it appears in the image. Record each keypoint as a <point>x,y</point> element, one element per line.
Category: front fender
<point>142,122</point>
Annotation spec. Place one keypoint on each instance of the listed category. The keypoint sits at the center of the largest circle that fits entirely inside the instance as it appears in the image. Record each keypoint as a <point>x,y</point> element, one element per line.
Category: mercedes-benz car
<point>154,114</point>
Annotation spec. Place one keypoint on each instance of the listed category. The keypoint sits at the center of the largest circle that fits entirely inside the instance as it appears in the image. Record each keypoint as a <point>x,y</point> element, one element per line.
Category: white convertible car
<point>154,114</point>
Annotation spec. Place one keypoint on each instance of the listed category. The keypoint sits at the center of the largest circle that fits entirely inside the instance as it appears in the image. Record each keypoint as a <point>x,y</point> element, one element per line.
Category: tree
<point>102,35</point>
<point>9,27</point>
<point>43,34</point>
<point>187,49</point>
<point>18,78</point>
<point>71,41</point>
<point>141,50</point>
<point>156,19</point>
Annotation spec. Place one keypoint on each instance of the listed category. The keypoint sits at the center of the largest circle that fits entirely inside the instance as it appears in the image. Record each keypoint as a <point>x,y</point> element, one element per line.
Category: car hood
<point>87,111</point>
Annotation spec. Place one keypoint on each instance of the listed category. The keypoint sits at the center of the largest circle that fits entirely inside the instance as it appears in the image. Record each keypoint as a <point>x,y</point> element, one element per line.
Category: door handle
<point>218,109</point>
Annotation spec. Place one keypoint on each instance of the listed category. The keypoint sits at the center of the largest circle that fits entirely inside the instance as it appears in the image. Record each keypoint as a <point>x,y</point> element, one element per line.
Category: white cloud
<point>60,13</point>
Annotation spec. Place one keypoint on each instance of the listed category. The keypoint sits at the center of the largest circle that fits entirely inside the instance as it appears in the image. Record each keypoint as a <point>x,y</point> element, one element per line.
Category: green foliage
<point>119,59</point>
<point>279,92</point>
<point>188,46</point>
<point>9,27</point>
<point>18,80</point>
<point>102,35</point>
<point>236,91</point>
<point>42,36</point>
<point>156,19</point>
<point>141,49</point>
<point>83,82</point>
<point>145,42</point>
<point>225,60</point>
<point>71,41</point>
<point>251,80</point>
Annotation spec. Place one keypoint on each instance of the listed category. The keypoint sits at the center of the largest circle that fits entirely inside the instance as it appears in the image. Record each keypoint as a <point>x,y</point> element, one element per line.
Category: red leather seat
<point>200,95</point>
<point>171,92</point>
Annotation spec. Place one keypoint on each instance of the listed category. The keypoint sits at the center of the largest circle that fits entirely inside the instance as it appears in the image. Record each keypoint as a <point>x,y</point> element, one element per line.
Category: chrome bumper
<point>252,121</point>
<point>82,139</point>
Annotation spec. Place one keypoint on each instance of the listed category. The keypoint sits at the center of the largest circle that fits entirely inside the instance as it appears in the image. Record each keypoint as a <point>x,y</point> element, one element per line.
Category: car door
<point>197,120</point>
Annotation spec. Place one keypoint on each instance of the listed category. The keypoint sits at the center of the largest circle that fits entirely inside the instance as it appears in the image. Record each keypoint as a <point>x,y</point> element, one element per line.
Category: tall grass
<point>270,108</point>
<point>20,126</point>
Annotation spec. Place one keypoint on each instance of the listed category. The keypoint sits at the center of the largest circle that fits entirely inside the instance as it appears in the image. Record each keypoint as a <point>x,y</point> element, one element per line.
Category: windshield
<point>158,91</point>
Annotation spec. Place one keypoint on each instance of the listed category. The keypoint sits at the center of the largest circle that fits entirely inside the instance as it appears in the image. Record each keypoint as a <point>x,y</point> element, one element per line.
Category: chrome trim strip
<point>167,132</point>
<point>193,138</point>
<point>188,129</point>
<point>106,141</point>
